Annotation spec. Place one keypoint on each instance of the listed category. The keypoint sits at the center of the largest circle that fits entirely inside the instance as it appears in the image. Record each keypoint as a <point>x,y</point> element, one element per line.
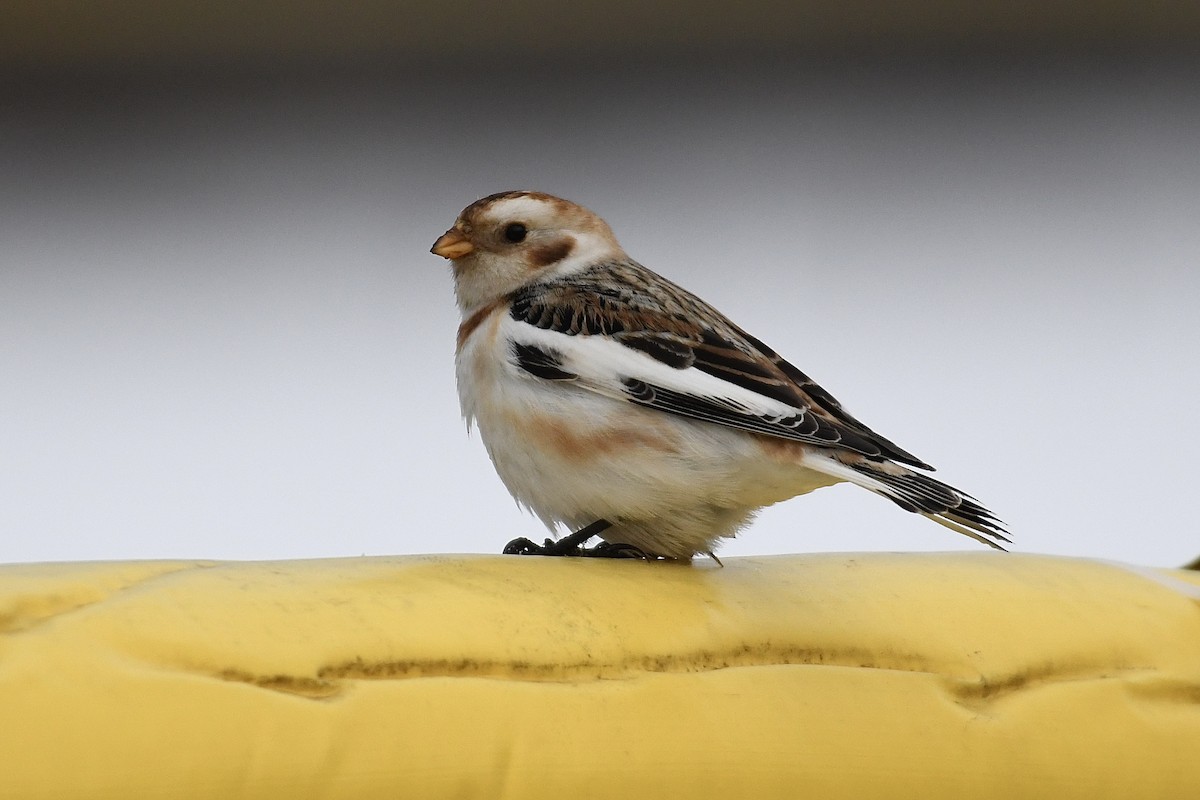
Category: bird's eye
<point>515,232</point>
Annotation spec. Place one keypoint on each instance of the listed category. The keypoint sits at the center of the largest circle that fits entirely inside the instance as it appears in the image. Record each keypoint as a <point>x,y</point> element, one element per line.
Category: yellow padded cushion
<point>840,675</point>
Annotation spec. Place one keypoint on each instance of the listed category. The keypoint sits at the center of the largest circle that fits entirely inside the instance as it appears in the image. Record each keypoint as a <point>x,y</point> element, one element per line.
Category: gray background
<point>222,335</point>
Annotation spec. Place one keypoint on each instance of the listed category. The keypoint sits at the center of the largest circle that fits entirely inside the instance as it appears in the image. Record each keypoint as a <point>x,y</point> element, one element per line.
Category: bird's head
<point>508,240</point>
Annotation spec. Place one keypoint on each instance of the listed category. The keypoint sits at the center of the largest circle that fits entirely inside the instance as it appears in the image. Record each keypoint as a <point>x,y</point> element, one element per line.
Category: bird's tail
<point>920,494</point>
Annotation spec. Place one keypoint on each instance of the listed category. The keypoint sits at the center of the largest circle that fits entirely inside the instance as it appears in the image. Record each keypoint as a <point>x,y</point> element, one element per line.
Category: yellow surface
<point>958,675</point>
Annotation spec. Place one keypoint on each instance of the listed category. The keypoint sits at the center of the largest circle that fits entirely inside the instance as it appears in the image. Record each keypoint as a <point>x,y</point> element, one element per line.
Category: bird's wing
<point>623,331</point>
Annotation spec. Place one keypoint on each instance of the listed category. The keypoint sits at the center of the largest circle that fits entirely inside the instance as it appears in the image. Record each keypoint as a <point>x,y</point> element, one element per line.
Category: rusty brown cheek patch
<point>551,252</point>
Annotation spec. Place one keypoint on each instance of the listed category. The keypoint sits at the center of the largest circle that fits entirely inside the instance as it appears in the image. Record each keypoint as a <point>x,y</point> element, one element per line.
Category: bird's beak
<point>452,244</point>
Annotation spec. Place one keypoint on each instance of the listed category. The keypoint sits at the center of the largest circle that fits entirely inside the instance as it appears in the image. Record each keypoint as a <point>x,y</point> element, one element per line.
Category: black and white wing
<point>627,332</point>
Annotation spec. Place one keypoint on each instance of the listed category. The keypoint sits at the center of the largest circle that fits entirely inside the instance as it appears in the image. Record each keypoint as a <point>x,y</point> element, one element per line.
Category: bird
<point>617,403</point>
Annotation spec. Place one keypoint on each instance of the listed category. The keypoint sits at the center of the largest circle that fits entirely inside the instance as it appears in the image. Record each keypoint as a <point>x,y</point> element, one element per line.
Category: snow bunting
<point>615,402</point>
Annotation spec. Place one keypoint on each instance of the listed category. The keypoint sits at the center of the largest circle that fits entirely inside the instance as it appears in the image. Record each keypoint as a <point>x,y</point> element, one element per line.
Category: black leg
<point>566,546</point>
<point>572,545</point>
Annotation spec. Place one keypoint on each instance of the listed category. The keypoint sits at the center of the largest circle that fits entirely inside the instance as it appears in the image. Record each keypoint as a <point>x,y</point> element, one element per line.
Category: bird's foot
<point>572,545</point>
<point>615,550</point>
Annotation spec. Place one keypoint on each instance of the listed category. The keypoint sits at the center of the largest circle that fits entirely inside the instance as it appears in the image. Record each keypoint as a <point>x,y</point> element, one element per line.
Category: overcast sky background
<point>222,334</point>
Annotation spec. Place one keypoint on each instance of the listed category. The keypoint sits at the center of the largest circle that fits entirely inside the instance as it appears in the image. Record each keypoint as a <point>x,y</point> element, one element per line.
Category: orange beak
<point>452,244</point>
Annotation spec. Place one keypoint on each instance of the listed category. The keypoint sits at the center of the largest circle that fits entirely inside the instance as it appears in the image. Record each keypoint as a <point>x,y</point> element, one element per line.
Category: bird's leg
<point>566,546</point>
<point>572,545</point>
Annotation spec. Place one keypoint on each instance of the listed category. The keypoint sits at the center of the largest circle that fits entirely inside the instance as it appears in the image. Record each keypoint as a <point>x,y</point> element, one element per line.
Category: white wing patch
<point>603,365</point>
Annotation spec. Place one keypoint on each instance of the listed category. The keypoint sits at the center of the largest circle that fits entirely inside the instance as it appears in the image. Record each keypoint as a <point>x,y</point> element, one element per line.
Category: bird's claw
<point>572,546</point>
<point>615,550</point>
<point>527,547</point>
